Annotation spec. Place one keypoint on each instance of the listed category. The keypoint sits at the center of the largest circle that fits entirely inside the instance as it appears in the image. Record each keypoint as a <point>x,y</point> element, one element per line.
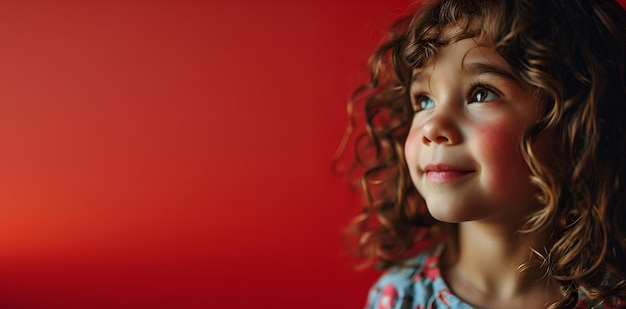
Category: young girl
<point>492,147</point>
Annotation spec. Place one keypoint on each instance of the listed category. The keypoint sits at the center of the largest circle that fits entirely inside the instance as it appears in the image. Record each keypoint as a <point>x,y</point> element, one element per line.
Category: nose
<point>441,129</point>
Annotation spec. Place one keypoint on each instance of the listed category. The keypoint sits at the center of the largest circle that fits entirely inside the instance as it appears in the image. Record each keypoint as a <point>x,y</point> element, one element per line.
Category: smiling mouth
<point>444,174</point>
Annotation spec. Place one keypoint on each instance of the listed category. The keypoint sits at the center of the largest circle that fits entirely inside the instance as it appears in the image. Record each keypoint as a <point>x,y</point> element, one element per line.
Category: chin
<point>448,217</point>
<point>452,214</point>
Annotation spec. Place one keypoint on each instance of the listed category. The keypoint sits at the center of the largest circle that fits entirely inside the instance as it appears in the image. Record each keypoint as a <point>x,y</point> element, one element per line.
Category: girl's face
<point>463,146</point>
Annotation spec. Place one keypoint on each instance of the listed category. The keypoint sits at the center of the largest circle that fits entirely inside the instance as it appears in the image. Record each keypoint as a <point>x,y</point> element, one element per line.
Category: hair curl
<point>572,52</point>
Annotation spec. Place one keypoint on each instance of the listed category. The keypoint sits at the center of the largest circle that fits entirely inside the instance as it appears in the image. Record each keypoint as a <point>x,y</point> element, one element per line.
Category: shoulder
<point>415,284</point>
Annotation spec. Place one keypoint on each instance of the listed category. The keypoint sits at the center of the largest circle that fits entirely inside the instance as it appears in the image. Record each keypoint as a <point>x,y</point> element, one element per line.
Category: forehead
<point>466,56</point>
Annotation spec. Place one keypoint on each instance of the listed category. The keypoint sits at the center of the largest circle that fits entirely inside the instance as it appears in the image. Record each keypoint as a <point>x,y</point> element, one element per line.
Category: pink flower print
<point>431,269</point>
<point>441,297</point>
<point>388,297</point>
<point>417,277</point>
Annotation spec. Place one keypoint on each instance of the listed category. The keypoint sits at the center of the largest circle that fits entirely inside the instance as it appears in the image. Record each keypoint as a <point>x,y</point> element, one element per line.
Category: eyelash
<point>416,102</point>
<point>475,88</point>
<point>480,86</point>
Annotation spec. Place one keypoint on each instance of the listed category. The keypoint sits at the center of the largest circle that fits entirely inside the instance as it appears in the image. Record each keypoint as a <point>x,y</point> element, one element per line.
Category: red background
<point>176,154</point>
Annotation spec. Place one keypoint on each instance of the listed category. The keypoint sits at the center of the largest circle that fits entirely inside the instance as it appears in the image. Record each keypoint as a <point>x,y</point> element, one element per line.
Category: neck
<point>484,266</point>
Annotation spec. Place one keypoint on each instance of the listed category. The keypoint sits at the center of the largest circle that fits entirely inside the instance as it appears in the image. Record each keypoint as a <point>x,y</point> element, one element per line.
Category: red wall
<point>176,154</point>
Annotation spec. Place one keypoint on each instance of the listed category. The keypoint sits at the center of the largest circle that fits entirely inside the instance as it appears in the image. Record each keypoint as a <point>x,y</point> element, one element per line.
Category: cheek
<point>500,155</point>
<point>411,146</point>
<point>498,143</point>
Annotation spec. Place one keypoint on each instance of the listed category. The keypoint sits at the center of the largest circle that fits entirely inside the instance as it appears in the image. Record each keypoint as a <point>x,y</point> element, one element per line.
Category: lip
<point>443,173</point>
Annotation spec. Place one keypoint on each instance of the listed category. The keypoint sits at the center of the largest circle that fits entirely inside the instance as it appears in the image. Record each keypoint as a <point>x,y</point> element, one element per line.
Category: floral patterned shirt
<point>420,286</point>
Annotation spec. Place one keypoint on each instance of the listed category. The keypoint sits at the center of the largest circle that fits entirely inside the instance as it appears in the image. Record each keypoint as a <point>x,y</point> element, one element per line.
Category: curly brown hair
<point>572,53</point>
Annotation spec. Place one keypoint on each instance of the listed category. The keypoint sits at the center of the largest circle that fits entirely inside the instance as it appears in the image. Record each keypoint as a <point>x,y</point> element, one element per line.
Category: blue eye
<point>422,103</point>
<point>483,94</point>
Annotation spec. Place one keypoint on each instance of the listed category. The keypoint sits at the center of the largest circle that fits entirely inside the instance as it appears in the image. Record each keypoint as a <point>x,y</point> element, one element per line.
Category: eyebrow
<point>479,68</point>
<point>476,68</point>
<point>417,77</point>
<point>418,74</point>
